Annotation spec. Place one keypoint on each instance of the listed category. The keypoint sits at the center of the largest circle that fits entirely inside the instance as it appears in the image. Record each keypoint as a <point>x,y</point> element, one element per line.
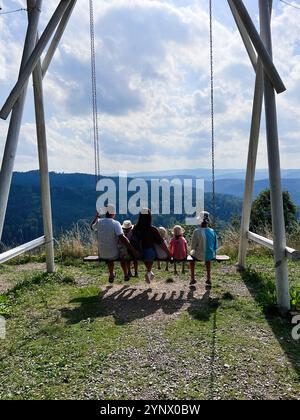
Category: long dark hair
<point>144,222</point>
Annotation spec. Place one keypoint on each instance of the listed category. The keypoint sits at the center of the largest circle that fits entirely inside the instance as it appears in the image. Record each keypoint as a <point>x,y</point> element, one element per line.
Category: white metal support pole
<point>244,34</point>
<point>261,50</point>
<point>57,37</point>
<point>251,164</point>
<point>43,161</point>
<point>279,234</point>
<point>33,59</point>
<point>34,7</point>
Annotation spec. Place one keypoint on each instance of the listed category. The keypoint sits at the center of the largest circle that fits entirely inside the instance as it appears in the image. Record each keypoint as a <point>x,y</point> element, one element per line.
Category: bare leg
<point>149,276</point>
<point>183,268</point>
<point>124,265</point>
<point>175,268</point>
<point>149,265</point>
<point>129,268</point>
<point>192,269</point>
<point>136,265</point>
<point>111,266</point>
<point>208,271</point>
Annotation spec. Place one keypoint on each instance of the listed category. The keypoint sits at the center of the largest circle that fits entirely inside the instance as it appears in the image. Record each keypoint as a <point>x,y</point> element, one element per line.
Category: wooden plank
<point>95,258</point>
<point>15,252</point>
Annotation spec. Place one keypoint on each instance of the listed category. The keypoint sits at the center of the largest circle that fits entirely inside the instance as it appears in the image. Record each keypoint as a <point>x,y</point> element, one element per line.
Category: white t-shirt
<point>108,231</point>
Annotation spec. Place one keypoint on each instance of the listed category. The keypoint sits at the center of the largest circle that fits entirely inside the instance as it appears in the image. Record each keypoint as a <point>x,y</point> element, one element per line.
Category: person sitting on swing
<point>145,237</point>
<point>204,247</point>
<point>110,234</point>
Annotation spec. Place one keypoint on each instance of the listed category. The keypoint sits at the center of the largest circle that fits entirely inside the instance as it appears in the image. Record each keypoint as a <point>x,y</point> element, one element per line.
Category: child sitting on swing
<point>125,254</point>
<point>160,253</point>
<point>204,247</point>
<point>178,248</point>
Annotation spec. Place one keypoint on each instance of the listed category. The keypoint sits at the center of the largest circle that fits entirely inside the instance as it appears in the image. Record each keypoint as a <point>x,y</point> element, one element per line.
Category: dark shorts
<point>149,254</point>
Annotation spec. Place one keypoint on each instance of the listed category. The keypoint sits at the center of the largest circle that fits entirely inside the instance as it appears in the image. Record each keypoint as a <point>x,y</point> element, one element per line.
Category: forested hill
<point>73,199</point>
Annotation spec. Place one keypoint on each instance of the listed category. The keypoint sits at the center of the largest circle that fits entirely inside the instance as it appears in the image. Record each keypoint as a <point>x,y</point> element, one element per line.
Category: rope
<point>12,11</point>
<point>94,95</point>
<point>212,111</point>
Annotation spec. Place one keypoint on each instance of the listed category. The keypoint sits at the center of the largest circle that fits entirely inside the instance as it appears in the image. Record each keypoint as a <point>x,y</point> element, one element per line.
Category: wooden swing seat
<point>219,258</point>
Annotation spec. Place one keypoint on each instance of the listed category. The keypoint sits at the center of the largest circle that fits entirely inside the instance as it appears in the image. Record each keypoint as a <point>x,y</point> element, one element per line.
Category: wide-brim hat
<point>127,224</point>
<point>178,230</point>
<point>163,232</point>
<point>204,216</point>
<point>110,208</point>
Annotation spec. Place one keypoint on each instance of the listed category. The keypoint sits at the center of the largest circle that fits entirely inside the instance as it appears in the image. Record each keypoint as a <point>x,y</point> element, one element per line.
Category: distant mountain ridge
<point>228,185</point>
<point>261,174</point>
<point>74,199</point>
<point>236,187</point>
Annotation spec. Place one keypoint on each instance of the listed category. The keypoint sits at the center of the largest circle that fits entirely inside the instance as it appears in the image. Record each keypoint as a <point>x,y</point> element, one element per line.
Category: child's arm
<point>171,248</point>
<point>123,240</point>
<point>194,241</point>
<point>165,248</point>
<point>216,242</point>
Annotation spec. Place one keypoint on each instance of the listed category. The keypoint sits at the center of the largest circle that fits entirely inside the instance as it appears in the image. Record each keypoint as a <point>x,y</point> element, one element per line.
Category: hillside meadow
<point>70,335</point>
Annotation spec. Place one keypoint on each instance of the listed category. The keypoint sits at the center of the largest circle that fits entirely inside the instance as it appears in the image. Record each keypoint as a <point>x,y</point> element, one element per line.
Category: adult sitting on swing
<point>110,232</point>
<point>145,237</point>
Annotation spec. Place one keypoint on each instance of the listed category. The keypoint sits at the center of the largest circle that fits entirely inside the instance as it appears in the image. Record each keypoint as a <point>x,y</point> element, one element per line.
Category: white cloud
<point>153,84</point>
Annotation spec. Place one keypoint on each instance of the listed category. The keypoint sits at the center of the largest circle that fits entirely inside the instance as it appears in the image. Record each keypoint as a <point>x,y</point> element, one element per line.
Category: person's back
<point>204,244</point>
<point>178,248</point>
<point>108,231</point>
<point>204,247</point>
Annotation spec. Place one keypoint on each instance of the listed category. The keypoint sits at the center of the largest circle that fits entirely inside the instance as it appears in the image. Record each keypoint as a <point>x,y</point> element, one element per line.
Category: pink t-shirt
<point>178,248</point>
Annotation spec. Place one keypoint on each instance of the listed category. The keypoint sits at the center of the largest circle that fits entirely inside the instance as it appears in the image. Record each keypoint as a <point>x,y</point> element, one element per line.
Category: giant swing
<point>267,83</point>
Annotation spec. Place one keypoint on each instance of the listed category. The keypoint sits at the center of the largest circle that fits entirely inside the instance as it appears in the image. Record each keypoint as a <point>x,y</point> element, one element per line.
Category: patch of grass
<point>264,285</point>
<point>62,342</point>
<point>295,299</point>
<point>33,281</point>
<point>4,305</point>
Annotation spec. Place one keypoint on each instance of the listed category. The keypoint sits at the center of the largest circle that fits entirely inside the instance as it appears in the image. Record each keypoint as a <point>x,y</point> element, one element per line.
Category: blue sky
<point>153,86</point>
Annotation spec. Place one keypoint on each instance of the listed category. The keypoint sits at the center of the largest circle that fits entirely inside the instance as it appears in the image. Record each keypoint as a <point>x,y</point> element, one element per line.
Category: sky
<point>153,83</point>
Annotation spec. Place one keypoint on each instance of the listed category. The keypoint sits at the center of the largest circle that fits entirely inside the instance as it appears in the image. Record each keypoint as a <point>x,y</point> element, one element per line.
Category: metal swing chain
<point>212,111</point>
<point>94,95</point>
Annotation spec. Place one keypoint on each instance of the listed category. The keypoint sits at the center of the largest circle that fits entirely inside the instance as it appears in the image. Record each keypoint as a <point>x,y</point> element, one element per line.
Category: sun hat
<point>178,230</point>
<point>163,232</point>
<point>145,210</point>
<point>204,216</point>
<point>110,208</point>
<point>127,224</point>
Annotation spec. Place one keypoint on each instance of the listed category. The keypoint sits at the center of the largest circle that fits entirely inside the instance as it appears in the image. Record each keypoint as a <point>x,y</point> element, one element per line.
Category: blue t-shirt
<point>204,244</point>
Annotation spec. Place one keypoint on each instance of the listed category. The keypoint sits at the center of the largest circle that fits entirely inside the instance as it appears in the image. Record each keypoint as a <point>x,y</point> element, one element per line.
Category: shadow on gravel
<point>130,303</point>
